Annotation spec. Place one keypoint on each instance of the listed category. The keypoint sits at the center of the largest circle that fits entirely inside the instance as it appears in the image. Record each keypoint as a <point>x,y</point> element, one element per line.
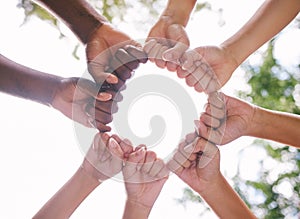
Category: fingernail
<point>140,151</point>
<point>189,148</point>
<point>112,143</point>
<point>91,121</point>
<point>167,56</point>
<point>112,79</point>
<point>197,124</point>
<point>103,96</point>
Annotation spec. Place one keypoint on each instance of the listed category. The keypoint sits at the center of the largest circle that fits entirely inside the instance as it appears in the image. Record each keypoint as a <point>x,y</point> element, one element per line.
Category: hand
<point>207,68</point>
<point>104,159</point>
<point>225,119</point>
<point>166,43</point>
<point>112,55</point>
<point>197,162</point>
<point>144,176</point>
<point>76,99</point>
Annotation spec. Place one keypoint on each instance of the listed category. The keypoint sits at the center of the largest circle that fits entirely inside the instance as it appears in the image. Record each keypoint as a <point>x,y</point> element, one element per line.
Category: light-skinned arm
<point>197,163</point>
<point>103,160</point>
<point>208,68</point>
<point>268,20</point>
<point>225,121</point>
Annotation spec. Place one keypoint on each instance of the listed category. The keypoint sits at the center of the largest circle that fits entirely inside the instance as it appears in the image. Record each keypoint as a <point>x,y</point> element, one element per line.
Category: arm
<point>69,197</point>
<point>224,201</point>
<point>277,126</point>
<point>70,96</point>
<point>197,163</point>
<point>78,15</point>
<point>24,82</point>
<point>268,20</point>
<point>103,160</point>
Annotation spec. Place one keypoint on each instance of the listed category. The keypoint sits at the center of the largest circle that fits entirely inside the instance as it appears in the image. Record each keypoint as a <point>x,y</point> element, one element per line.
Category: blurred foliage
<point>272,87</point>
<point>114,11</point>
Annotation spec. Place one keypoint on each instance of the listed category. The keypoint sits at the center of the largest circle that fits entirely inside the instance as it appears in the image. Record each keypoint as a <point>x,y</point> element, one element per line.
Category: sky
<point>40,147</point>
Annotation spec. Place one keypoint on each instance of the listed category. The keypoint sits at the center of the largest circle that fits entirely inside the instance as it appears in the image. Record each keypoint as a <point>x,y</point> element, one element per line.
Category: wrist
<point>87,177</point>
<point>176,14</point>
<point>256,124</point>
<point>134,209</point>
<point>78,15</point>
<point>210,187</point>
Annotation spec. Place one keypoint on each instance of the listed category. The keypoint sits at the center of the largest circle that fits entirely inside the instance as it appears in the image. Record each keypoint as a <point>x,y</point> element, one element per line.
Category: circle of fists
<point>112,68</point>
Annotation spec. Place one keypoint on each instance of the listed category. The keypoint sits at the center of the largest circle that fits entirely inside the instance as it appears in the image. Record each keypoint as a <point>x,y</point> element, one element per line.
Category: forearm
<point>268,20</point>
<point>78,15</point>
<point>224,201</point>
<point>68,198</point>
<point>179,11</point>
<point>277,126</point>
<point>24,82</point>
<point>135,210</point>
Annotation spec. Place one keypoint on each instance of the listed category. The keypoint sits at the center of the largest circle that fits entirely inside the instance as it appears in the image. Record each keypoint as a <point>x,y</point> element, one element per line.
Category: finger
<point>136,52</point>
<point>213,135</point>
<point>90,88</point>
<point>149,161</point>
<point>156,167</point>
<point>218,113</point>
<point>116,96</point>
<point>208,154</point>
<point>159,61</point>
<point>210,121</point>
<point>153,53</point>
<point>190,60</point>
<point>200,145</point>
<point>100,74</point>
<point>98,115</point>
<point>190,80</point>
<point>205,81</point>
<point>109,107</point>
<point>216,99</point>
<point>175,167</point>
<point>101,146</point>
<point>102,127</point>
<point>177,34</point>
<point>126,59</point>
<point>120,86</point>
<point>125,144</point>
<point>163,173</point>
<point>132,162</point>
<point>114,148</point>
<point>172,66</point>
<point>97,140</point>
<point>122,71</point>
<point>182,160</point>
<point>116,158</point>
<point>148,46</point>
<point>182,73</point>
<point>189,138</point>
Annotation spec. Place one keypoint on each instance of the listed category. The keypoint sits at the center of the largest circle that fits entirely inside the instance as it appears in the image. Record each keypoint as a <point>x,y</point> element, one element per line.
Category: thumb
<point>90,88</point>
<point>115,148</point>
<point>176,33</point>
